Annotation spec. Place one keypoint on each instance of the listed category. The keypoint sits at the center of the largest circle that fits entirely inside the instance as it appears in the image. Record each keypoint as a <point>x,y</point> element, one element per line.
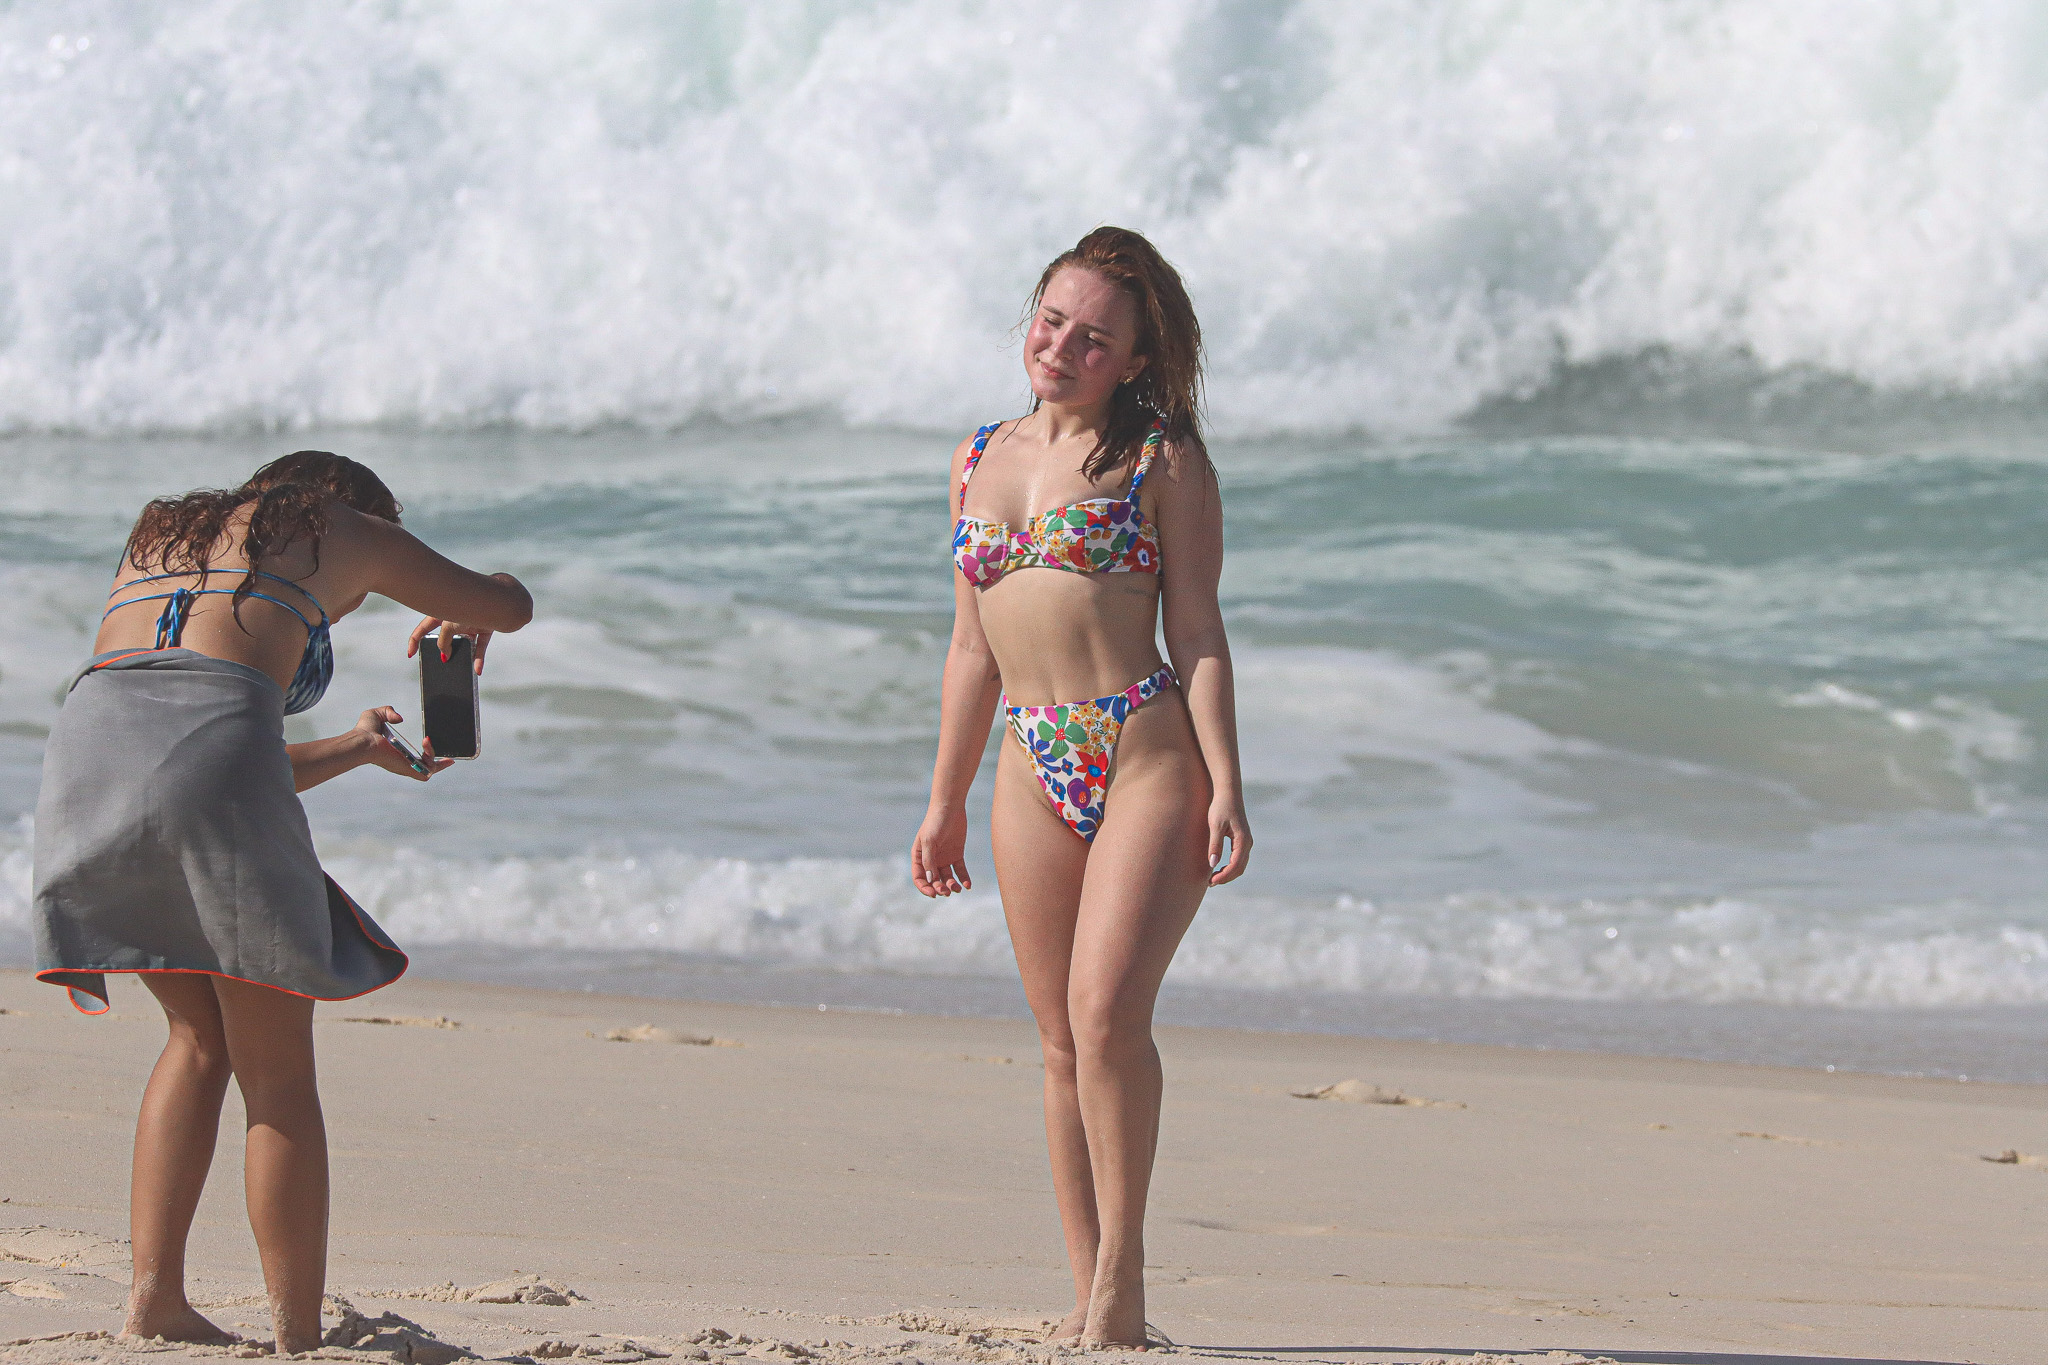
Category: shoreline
<point>830,1169</point>
<point>2002,1043</point>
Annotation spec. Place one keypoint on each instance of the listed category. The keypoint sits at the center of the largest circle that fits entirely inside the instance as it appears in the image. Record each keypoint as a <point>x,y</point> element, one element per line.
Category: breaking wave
<point>227,214</point>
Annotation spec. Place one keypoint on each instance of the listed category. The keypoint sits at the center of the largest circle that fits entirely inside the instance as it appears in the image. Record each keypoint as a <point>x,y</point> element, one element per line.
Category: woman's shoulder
<point>980,437</point>
<point>1181,459</point>
<point>353,544</point>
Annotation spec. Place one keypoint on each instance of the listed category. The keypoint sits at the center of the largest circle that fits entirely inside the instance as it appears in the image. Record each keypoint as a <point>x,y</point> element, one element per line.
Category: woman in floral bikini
<point>1116,811</point>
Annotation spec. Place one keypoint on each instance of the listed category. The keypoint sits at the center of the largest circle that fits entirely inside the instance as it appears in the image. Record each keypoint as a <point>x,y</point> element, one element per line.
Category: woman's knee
<point>1109,1024</point>
<point>1056,1042</point>
<point>196,1039</point>
<point>200,1050</point>
<point>284,1098</point>
<point>278,1083</point>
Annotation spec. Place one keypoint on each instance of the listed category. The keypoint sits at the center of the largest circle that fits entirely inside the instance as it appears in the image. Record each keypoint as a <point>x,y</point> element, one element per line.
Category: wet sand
<point>524,1173</point>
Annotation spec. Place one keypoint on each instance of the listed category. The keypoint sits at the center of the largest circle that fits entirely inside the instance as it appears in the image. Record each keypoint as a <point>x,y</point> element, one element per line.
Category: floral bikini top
<point>1098,535</point>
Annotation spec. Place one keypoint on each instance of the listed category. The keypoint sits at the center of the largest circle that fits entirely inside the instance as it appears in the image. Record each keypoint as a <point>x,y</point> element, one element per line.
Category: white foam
<point>1715,950</point>
<point>844,913</point>
<point>861,915</point>
<point>227,213</point>
<point>17,872</point>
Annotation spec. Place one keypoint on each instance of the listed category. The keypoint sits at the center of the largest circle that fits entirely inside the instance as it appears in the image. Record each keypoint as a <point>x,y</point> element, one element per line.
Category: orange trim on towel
<point>46,975</point>
<point>129,655</point>
<point>76,991</point>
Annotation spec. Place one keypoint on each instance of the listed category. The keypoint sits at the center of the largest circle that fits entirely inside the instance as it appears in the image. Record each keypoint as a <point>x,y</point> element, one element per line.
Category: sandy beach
<point>550,1175</point>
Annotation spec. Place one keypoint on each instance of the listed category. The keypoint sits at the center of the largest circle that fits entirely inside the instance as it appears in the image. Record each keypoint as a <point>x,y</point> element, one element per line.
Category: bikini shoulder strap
<point>204,591</point>
<point>295,587</point>
<point>974,458</point>
<point>1153,440</point>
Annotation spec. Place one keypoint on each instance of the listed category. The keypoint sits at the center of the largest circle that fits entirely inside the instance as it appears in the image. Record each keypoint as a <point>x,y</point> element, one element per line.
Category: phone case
<point>460,654</point>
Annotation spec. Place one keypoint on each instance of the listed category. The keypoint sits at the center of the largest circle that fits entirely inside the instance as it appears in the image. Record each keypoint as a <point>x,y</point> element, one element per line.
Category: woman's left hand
<point>448,630</point>
<point>1227,821</point>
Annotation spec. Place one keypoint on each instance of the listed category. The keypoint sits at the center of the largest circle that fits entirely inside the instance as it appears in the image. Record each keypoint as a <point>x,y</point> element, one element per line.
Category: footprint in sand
<point>1358,1092</point>
<point>62,1248</point>
<point>617,1352</point>
<point>919,1322</point>
<point>1795,1141</point>
<point>517,1289</point>
<point>402,1337</point>
<point>524,1289</point>
<point>60,1336</point>
<point>1262,1229</point>
<point>2013,1157</point>
<point>650,1033</point>
<point>438,1021</point>
<point>32,1289</point>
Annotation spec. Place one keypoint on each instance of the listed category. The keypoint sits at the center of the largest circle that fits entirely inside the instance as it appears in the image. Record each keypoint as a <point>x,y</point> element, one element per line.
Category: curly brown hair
<point>290,495</point>
<point>1169,389</point>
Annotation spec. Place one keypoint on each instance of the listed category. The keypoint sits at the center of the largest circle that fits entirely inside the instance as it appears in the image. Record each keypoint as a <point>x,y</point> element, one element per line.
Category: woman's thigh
<point>1039,866</point>
<point>269,1038</point>
<point>1148,867</point>
<point>189,1003</point>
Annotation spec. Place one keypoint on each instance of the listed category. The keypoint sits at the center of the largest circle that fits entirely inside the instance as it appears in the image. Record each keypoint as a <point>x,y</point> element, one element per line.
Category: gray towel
<point>168,839</point>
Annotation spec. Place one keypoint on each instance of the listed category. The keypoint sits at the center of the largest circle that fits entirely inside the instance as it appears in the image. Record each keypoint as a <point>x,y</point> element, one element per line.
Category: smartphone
<point>404,746</point>
<point>448,703</point>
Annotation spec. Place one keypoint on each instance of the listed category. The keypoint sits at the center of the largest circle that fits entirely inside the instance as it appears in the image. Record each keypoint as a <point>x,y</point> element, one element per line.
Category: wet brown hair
<point>290,497</point>
<point>1169,388</point>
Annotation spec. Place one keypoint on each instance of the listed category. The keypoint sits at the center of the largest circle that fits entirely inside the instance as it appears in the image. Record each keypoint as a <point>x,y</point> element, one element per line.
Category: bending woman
<point>1114,803</point>
<point>170,841</point>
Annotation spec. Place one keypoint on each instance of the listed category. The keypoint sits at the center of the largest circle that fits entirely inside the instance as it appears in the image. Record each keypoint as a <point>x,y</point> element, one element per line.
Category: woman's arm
<point>392,561</point>
<point>320,760</point>
<point>967,707</point>
<point>1189,511</point>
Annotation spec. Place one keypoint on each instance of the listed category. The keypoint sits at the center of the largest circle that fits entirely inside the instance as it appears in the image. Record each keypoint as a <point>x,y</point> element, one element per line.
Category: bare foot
<point>1116,1314</point>
<point>183,1323</point>
<point>1070,1325</point>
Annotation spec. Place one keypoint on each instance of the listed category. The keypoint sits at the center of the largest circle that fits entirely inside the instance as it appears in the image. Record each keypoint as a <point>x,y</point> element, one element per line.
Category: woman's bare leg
<point>1039,865</point>
<point>1147,871</point>
<point>174,1140</point>
<point>1094,928</point>
<point>270,1042</point>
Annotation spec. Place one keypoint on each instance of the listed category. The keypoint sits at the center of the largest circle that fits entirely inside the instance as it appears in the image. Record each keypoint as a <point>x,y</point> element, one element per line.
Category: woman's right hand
<point>378,748</point>
<point>938,856</point>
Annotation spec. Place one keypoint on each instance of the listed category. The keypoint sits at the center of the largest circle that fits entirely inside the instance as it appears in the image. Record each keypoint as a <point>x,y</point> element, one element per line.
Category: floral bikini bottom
<point>1071,745</point>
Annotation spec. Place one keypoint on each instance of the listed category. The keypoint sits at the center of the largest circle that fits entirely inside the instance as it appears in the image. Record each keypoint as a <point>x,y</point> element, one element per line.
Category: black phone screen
<point>448,697</point>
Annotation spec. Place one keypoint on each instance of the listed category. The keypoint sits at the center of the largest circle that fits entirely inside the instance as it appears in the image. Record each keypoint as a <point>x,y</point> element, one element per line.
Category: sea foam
<point>861,916</point>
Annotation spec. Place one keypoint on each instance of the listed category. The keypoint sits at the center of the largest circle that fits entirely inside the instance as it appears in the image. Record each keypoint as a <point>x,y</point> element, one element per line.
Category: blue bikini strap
<point>170,622</point>
<point>160,577</point>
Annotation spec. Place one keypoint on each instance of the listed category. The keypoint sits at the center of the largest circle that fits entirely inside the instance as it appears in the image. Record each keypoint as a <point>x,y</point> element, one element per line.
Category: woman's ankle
<point>156,1296</point>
